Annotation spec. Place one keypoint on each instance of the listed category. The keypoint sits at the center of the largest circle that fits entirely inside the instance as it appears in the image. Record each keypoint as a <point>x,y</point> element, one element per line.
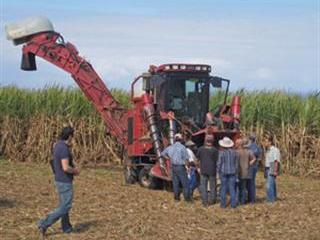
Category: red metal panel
<point>141,139</point>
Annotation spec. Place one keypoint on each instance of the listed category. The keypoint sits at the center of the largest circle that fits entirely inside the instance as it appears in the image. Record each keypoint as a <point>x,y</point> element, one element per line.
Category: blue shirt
<point>61,151</point>
<point>256,150</point>
<point>228,162</point>
<point>177,153</point>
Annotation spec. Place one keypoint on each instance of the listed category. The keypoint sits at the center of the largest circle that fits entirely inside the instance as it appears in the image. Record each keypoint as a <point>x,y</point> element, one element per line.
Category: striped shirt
<point>228,162</point>
<point>177,153</point>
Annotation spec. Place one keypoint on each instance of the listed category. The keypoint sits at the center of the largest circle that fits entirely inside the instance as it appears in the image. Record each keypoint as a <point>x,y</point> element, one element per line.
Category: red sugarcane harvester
<point>166,99</point>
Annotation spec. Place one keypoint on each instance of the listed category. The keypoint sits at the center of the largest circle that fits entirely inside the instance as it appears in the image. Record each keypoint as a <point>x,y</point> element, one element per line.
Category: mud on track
<point>104,208</point>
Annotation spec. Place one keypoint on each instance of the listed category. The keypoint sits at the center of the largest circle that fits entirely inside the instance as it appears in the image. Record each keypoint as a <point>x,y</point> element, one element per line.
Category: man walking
<point>246,159</point>
<point>257,151</point>
<point>64,170</point>
<point>227,166</point>
<point>177,153</point>
<point>208,157</point>
<point>271,169</point>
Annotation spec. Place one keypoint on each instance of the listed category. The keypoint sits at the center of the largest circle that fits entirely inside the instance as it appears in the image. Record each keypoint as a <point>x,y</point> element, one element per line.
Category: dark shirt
<point>228,162</point>
<point>61,151</point>
<point>208,157</point>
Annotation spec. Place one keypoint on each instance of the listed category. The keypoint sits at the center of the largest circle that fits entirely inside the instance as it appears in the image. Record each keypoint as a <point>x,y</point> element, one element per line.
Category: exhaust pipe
<point>172,128</point>
<point>28,62</point>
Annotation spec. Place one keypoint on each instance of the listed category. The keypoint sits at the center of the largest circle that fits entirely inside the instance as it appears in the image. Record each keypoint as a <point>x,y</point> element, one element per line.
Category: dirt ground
<point>105,208</point>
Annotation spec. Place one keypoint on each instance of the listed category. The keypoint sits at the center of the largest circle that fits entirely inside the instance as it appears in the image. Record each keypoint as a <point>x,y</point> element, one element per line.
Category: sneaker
<point>189,200</point>
<point>177,199</point>
<point>70,230</point>
<point>42,231</point>
<point>205,204</point>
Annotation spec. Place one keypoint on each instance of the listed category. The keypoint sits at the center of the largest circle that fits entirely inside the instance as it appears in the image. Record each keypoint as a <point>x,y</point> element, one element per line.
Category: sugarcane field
<point>160,120</point>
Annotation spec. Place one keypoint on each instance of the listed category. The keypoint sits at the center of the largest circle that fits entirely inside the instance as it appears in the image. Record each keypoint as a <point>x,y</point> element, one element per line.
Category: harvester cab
<point>167,99</point>
<point>185,91</point>
<point>180,101</point>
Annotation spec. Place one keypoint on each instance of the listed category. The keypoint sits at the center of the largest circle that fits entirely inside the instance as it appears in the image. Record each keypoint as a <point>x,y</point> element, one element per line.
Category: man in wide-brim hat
<point>228,165</point>
<point>226,143</point>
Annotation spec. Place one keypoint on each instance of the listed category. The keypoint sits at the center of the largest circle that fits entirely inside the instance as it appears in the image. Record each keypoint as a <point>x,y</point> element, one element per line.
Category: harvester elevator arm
<point>51,47</point>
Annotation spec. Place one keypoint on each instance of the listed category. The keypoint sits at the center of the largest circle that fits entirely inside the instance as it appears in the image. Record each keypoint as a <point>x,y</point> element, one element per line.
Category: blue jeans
<point>243,190</point>
<point>252,184</point>
<point>193,180</point>
<point>65,191</point>
<point>180,178</point>
<point>228,184</point>
<point>271,187</point>
<point>204,180</point>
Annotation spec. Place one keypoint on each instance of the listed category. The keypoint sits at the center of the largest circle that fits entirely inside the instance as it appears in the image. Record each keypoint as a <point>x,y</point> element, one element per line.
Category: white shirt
<point>191,155</point>
<point>272,154</point>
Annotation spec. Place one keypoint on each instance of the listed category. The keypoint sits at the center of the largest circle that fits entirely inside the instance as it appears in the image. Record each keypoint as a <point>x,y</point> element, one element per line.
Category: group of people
<point>235,164</point>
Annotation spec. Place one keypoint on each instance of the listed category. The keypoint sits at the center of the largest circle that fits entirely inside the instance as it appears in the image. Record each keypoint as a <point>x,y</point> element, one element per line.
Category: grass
<point>105,208</point>
<point>30,120</point>
<point>277,110</point>
<point>271,109</point>
<point>51,101</point>
<point>268,109</point>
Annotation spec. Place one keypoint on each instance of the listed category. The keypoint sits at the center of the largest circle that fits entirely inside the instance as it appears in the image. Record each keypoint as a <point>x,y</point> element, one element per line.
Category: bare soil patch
<point>106,208</point>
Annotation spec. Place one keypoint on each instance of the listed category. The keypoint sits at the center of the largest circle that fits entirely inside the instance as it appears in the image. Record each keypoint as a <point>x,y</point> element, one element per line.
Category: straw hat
<point>226,142</point>
<point>190,143</point>
<point>178,136</point>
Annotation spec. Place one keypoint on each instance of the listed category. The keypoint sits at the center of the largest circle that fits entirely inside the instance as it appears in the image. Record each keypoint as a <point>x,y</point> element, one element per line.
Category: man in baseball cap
<point>178,155</point>
<point>257,151</point>
<point>208,157</point>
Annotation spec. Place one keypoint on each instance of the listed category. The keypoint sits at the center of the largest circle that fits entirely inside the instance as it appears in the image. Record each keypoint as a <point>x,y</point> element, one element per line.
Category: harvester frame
<point>163,105</point>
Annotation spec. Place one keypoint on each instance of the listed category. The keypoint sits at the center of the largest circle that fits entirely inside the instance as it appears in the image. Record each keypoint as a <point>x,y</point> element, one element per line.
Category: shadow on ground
<point>83,227</point>
<point>77,229</point>
<point>7,203</point>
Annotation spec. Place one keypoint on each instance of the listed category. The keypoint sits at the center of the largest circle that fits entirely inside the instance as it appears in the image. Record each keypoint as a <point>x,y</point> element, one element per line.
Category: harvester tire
<point>129,175</point>
<point>147,181</point>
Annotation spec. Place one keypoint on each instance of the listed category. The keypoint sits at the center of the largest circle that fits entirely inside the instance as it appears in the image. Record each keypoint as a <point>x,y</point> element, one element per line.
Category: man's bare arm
<point>67,168</point>
<point>253,159</point>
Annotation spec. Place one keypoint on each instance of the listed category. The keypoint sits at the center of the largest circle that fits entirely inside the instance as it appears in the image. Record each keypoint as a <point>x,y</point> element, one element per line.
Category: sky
<point>257,44</point>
